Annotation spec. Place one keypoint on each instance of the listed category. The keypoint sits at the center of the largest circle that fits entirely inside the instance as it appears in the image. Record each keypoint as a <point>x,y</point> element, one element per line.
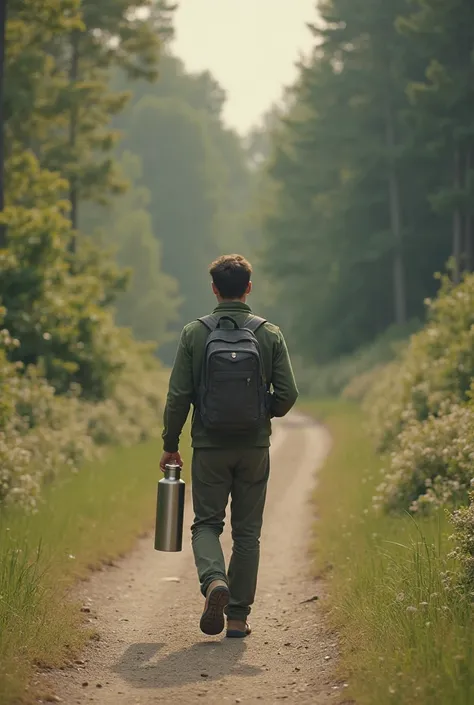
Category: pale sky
<point>250,46</point>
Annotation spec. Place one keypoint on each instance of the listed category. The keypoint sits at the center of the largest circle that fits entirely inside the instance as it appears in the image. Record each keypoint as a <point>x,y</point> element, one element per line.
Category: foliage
<point>39,435</point>
<point>72,380</point>
<point>463,520</point>
<point>196,175</point>
<point>436,370</point>
<point>42,433</point>
<point>177,168</point>
<point>149,306</point>
<point>31,80</point>
<point>59,57</point>
<point>422,410</point>
<point>351,374</point>
<point>432,465</point>
<point>441,110</point>
<point>56,307</point>
<point>371,171</point>
<point>406,629</point>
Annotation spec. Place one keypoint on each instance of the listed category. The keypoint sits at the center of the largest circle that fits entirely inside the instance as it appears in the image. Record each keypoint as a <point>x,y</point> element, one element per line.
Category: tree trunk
<point>468,221</point>
<point>399,288</point>
<point>73,76</point>
<point>3,21</point>
<point>457,219</point>
<point>468,242</point>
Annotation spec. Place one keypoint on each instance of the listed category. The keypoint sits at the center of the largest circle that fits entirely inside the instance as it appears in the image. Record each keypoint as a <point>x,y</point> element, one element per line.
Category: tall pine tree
<point>350,241</point>
<point>443,110</point>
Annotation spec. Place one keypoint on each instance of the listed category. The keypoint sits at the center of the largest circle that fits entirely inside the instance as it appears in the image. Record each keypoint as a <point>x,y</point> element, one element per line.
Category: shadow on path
<point>217,659</point>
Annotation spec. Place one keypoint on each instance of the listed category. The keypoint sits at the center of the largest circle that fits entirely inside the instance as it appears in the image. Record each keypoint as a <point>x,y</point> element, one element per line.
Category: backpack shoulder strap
<point>211,322</point>
<point>253,323</point>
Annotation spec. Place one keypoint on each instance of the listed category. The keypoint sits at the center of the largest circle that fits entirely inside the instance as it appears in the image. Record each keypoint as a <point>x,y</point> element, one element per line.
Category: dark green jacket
<point>186,376</point>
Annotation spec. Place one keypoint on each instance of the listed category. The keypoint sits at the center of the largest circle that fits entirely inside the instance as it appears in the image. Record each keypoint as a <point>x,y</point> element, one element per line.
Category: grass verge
<point>84,520</point>
<point>406,636</point>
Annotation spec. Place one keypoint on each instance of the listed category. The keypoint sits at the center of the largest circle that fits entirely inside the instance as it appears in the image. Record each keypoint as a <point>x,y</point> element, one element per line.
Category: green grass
<point>84,520</point>
<point>405,637</point>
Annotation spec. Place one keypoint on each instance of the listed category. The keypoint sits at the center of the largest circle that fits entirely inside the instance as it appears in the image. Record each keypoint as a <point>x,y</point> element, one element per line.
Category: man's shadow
<point>214,659</point>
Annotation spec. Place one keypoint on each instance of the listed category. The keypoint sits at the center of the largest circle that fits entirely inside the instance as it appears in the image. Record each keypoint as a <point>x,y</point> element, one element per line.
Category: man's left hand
<point>168,458</point>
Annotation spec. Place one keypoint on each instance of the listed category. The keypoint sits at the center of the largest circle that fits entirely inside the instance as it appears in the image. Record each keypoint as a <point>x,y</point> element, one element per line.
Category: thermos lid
<point>172,471</point>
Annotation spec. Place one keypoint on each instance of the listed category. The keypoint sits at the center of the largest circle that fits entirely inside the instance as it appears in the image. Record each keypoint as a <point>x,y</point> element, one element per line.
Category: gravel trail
<point>147,610</point>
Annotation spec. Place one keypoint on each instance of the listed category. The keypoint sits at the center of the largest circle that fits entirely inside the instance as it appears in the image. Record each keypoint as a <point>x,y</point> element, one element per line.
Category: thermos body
<point>170,511</point>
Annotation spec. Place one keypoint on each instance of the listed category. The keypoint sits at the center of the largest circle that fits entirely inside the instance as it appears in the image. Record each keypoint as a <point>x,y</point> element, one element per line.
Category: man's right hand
<point>168,458</point>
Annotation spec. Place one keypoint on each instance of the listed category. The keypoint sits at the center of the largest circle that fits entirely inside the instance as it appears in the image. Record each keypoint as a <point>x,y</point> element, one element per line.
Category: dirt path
<point>150,648</point>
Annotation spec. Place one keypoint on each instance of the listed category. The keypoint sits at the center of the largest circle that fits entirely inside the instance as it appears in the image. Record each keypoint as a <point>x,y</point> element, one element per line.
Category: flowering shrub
<point>463,520</point>
<point>132,413</point>
<point>42,433</point>
<point>433,373</point>
<point>433,464</point>
<point>422,411</point>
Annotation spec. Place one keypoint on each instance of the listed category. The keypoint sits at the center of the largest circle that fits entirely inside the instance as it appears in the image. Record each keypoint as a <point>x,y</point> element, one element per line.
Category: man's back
<point>186,378</point>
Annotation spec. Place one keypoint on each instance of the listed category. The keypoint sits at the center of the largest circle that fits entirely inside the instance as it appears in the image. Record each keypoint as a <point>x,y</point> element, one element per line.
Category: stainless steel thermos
<point>170,510</point>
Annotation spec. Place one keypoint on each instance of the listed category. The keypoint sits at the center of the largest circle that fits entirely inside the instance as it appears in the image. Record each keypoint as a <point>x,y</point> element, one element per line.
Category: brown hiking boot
<point>217,599</point>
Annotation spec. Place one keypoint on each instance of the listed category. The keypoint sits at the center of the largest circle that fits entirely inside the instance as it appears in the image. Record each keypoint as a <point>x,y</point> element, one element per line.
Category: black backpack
<point>233,391</point>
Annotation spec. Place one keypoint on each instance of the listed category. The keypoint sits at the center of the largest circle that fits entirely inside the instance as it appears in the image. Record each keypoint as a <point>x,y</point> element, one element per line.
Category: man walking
<point>234,368</point>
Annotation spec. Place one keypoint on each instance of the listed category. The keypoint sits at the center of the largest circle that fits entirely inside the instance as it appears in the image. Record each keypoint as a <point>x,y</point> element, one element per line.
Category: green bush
<point>463,520</point>
<point>41,432</point>
<point>422,413</point>
<point>433,464</point>
<point>435,371</point>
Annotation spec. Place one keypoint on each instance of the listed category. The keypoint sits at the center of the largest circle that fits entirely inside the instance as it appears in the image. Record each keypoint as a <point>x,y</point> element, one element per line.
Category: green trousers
<point>242,475</point>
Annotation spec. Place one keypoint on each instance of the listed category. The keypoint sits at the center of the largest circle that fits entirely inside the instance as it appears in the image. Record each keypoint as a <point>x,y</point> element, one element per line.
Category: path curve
<point>147,611</point>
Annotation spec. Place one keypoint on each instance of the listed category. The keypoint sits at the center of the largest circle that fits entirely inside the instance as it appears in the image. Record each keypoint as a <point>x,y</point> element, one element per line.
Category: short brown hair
<point>231,275</point>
